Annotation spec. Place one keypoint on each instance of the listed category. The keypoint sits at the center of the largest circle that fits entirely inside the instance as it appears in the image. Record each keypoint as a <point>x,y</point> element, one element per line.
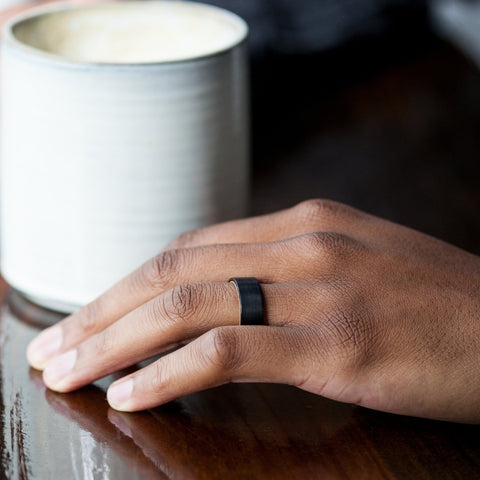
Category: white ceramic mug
<point>122,126</point>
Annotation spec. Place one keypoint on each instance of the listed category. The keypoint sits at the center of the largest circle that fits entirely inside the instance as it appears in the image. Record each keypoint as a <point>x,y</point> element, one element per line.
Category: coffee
<point>125,33</point>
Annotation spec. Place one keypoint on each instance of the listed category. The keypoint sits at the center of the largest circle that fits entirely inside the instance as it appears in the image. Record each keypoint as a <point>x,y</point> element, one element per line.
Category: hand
<point>358,309</point>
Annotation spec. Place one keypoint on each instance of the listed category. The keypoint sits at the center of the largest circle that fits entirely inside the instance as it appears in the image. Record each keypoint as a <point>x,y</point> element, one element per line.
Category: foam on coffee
<point>132,32</point>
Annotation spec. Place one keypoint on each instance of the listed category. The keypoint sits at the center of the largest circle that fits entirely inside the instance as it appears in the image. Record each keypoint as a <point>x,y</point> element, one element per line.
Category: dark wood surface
<point>235,431</point>
<point>403,144</point>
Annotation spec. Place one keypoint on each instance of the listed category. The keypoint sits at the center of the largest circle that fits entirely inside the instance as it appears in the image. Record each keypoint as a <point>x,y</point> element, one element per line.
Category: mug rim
<point>9,38</point>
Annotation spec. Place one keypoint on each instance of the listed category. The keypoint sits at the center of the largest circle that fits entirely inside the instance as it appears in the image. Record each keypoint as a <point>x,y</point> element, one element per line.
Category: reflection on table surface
<point>234,431</point>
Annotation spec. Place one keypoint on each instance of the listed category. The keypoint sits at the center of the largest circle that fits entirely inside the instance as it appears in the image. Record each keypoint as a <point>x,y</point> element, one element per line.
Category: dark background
<point>360,101</point>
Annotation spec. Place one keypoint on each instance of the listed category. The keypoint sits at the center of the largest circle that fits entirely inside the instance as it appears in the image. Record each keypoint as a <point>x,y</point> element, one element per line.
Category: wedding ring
<point>251,300</point>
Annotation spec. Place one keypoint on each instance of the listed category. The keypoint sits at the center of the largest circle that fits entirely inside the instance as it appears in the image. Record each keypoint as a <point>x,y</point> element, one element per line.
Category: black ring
<point>251,300</point>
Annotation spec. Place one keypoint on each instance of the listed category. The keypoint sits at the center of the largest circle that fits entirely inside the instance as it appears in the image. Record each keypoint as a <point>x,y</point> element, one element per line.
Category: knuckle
<point>321,245</point>
<point>223,349</point>
<point>316,209</point>
<point>322,212</point>
<point>157,378</point>
<point>104,342</point>
<point>160,271</point>
<point>89,318</point>
<point>182,302</point>
<point>153,312</point>
<point>186,239</point>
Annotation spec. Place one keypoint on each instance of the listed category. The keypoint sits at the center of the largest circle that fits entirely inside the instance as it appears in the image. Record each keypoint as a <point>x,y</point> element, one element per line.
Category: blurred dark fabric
<point>306,26</point>
<point>303,51</point>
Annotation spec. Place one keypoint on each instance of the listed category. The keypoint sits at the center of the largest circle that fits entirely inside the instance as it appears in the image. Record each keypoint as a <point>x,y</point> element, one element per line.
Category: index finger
<point>163,272</point>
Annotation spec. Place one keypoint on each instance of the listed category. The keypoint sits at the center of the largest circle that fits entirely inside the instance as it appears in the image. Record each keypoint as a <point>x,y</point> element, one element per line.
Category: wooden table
<point>241,431</point>
<point>403,144</point>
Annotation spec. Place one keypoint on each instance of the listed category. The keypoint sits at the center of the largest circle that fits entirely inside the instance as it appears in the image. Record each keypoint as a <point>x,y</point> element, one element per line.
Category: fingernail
<point>58,368</point>
<point>119,393</point>
<point>44,346</point>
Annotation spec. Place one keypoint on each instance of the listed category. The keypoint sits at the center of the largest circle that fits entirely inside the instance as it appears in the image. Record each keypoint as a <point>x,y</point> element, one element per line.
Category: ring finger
<point>283,261</point>
<point>176,317</point>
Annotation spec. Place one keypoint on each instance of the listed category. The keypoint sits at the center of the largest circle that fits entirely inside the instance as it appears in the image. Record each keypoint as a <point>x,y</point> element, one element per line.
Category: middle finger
<point>158,275</point>
<point>281,261</point>
<point>175,317</point>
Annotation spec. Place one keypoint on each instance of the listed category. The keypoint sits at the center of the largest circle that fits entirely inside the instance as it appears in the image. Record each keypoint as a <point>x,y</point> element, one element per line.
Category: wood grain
<point>235,431</point>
